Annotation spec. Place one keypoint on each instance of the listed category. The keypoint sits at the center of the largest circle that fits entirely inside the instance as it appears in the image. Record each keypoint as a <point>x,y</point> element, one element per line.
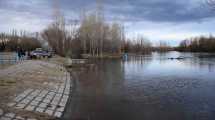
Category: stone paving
<point>50,100</point>
<point>12,116</point>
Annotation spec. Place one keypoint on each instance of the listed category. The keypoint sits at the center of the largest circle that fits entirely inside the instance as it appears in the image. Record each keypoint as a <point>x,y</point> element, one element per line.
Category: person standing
<point>19,52</point>
<point>23,54</point>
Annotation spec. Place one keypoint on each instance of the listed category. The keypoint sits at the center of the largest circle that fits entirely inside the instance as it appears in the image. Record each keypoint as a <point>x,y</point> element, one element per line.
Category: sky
<point>156,20</point>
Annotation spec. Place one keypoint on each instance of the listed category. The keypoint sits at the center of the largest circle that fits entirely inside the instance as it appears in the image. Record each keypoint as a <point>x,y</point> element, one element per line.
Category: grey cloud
<point>163,10</point>
<point>128,10</point>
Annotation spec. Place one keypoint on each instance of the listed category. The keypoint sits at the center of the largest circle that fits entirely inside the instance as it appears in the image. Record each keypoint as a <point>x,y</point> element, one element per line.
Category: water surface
<point>150,87</point>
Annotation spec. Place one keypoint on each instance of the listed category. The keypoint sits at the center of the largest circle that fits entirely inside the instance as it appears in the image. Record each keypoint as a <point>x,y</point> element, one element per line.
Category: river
<point>150,87</point>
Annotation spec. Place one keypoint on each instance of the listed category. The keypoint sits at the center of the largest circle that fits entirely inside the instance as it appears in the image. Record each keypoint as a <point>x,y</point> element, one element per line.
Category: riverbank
<point>35,89</point>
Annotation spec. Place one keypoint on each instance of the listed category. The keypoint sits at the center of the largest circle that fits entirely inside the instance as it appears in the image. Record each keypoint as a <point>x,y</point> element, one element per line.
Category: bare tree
<point>15,39</point>
<point>93,36</point>
<point>3,41</point>
<point>55,34</point>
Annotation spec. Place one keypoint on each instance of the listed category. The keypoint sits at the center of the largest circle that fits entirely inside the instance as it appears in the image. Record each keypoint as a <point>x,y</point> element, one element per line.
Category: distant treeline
<point>162,46</point>
<point>198,44</point>
<point>139,45</point>
<point>12,41</point>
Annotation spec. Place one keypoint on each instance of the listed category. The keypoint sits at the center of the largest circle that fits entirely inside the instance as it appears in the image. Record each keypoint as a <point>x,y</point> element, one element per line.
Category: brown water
<point>150,87</point>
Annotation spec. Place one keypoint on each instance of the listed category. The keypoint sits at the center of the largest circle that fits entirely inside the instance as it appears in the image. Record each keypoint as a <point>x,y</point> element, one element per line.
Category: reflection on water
<point>150,87</point>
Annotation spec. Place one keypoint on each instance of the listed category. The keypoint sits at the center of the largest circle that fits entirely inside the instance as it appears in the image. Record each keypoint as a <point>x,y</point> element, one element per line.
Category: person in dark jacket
<point>22,54</point>
<point>19,52</point>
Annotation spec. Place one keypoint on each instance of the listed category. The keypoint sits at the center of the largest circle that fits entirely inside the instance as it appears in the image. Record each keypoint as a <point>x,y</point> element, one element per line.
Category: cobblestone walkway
<point>12,116</point>
<point>51,100</point>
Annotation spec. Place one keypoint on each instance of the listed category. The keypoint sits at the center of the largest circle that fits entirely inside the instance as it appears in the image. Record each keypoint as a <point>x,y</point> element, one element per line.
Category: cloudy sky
<point>169,20</point>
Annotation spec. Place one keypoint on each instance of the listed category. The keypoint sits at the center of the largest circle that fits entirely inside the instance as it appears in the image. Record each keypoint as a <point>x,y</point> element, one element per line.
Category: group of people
<point>21,54</point>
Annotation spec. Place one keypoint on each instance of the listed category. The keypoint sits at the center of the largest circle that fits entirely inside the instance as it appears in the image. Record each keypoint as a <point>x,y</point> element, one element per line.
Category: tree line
<point>198,44</point>
<point>93,36</point>
<point>14,40</point>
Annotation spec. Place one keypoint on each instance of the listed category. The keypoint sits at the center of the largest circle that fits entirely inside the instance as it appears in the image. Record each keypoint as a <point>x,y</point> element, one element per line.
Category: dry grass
<point>7,82</point>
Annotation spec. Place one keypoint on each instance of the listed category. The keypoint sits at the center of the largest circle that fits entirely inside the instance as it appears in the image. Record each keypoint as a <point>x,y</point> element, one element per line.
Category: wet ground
<point>150,87</point>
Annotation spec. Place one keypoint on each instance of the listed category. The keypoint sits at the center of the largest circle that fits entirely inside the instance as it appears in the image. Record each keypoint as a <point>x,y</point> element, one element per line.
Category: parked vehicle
<point>39,53</point>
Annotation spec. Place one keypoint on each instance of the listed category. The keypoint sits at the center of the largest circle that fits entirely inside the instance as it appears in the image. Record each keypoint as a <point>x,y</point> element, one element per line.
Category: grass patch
<point>7,82</point>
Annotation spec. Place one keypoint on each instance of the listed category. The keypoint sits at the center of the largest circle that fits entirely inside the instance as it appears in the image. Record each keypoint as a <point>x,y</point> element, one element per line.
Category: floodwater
<point>150,87</point>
